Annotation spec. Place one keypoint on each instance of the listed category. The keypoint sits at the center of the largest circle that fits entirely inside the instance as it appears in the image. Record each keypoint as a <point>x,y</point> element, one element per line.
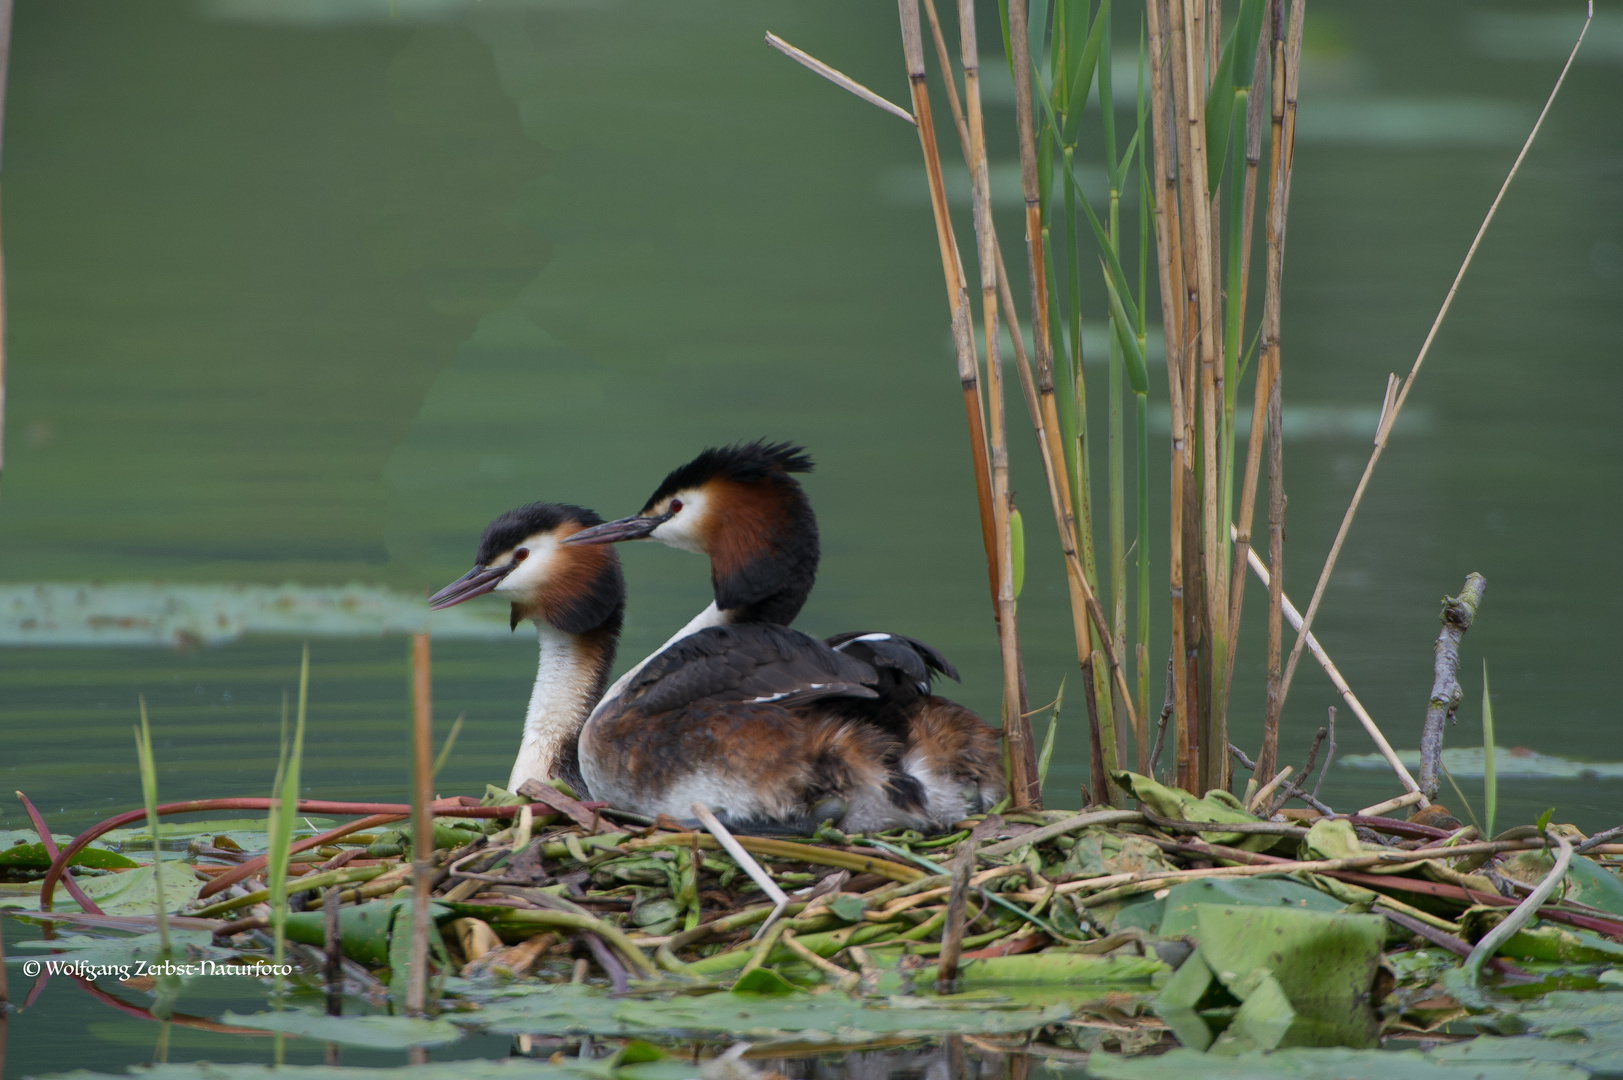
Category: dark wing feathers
<point>898,659</point>
<point>748,663</point>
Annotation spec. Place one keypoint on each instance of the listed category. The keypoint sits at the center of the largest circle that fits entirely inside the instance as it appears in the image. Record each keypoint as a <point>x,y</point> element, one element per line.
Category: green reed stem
<point>282,814</point>
<point>1141,542</point>
<point>149,792</point>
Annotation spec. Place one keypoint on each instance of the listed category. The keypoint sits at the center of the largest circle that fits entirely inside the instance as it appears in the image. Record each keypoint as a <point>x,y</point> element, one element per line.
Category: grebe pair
<point>770,727</point>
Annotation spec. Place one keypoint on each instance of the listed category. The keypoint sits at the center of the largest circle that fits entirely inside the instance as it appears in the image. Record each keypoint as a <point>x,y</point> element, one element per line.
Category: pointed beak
<point>476,582</point>
<point>636,527</point>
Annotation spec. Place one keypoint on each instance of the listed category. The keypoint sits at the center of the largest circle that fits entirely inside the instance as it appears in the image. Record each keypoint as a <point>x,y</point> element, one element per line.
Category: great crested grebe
<point>741,506</point>
<point>576,598</point>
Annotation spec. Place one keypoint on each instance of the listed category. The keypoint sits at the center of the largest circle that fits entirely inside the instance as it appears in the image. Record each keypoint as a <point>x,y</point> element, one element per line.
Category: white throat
<point>562,697</point>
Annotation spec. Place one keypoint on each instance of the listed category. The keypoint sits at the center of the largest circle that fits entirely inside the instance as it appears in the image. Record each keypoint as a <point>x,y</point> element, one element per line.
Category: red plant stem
<point>78,894</point>
<point>202,1023</point>
<point>444,808</point>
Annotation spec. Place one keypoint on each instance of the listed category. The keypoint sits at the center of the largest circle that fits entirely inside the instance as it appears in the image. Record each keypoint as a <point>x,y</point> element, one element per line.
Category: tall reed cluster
<point>1202,99</point>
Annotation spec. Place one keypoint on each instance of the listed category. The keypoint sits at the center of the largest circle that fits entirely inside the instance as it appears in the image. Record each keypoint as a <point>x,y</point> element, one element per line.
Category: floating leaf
<point>1182,902</point>
<point>477,1069</point>
<point>824,1018</point>
<point>17,852</point>
<point>1314,1064</point>
<point>377,1032</point>
<point>132,892</point>
<point>1311,974</point>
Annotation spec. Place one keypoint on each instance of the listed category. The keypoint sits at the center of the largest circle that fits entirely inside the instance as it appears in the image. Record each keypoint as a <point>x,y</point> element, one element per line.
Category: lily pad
<point>1181,903</point>
<point>120,957</point>
<point>134,892</point>
<point>825,1018</point>
<point>1603,1056</point>
<point>1303,978</point>
<point>23,850</point>
<point>377,1032</point>
<point>478,1069</point>
<point>1318,1064</point>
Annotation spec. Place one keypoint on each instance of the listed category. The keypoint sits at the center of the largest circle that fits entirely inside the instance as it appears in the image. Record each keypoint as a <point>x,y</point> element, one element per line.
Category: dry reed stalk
<point>1185,488</point>
<point>838,78</point>
<point>952,270</point>
<point>1086,612</point>
<point>1390,416</point>
<point>422,840</point>
<point>1286,54</point>
<point>1253,455</point>
<point>1197,204</point>
<point>994,526</point>
<point>1014,720</point>
<point>952,936</point>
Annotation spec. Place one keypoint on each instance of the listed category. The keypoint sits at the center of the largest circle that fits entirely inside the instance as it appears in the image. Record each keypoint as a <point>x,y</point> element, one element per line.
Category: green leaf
<point>1054,967</point>
<point>1138,372</point>
<point>1017,549</point>
<point>1309,973</point>
<point>134,892</point>
<point>1280,893</point>
<point>832,1018</point>
<point>848,906</point>
<point>1081,76</point>
<point>375,1032</point>
<point>1048,739</point>
<point>16,851</point>
<point>1313,1064</point>
<point>1218,805</point>
<point>764,981</point>
<point>1230,83</point>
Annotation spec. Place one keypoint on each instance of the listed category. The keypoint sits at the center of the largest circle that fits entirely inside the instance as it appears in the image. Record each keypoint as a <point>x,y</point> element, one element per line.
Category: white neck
<point>710,616</point>
<point>565,681</point>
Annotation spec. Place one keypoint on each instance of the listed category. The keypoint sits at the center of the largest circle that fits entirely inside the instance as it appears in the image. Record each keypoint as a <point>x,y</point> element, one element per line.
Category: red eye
<point>676,504</point>
<point>521,554</point>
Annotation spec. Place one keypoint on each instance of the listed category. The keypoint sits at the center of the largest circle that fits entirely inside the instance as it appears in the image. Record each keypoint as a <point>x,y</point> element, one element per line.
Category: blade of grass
<point>282,816</point>
<point>1490,777</point>
<point>450,741</point>
<point>149,793</point>
<point>1048,739</point>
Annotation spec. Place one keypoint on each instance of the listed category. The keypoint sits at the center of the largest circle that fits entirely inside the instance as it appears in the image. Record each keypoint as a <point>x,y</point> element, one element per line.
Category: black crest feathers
<point>743,463</point>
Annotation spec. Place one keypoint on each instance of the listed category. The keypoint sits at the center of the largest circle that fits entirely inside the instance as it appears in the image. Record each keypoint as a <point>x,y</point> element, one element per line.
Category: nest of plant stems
<point>543,887</point>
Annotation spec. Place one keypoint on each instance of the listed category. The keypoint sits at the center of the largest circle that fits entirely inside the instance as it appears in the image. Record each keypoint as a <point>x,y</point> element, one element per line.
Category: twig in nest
<point>608,962</point>
<point>1239,755</point>
<point>1329,757</point>
<point>1598,839</point>
<point>1161,725</point>
<point>1295,786</point>
<point>745,860</point>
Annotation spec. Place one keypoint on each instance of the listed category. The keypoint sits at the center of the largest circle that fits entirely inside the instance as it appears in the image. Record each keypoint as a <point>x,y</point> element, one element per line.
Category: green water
<point>306,292</point>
